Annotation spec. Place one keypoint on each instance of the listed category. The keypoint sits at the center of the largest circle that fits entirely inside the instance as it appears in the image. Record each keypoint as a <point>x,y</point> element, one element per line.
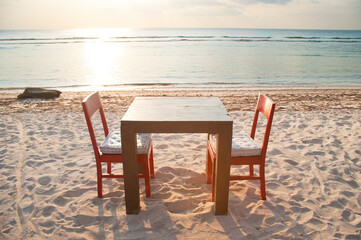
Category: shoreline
<point>188,87</point>
<point>234,100</point>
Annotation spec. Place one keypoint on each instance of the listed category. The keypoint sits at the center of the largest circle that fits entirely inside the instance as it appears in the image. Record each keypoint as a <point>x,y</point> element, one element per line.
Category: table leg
<point>130,169</point>
<point>222,171</point>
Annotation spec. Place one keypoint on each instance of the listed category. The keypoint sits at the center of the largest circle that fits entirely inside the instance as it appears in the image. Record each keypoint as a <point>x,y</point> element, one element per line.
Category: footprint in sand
<point>159,195</point>
<point>45,180</point>
<point>347,215</point>
<point>181,206</point>
<point>343,123</point>
<point>353,184</point>
<point>27,205</point>
<point>60,201</point>
<point>347,193</point>
<point>313,141</point>
<point>3,152</point>
<point>302,126</point>
<point>291,162</point>
<point>335,204</point>
<point>162,146</point>
<point>359,200</point>
<point>49,227</point>
<point>48,210</point>
<point>352,236</point>
<point>275,152</point>
<point>316,223</point>
<point>292,147</point>
<point>272,185</point>
<point>315,153</point>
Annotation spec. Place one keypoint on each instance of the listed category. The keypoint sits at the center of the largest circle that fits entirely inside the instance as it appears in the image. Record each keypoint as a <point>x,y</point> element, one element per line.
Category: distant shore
<point>234,100</point>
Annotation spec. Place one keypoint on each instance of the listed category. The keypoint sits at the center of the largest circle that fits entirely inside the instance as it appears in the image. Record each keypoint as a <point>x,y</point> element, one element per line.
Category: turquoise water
<point>117,58</point>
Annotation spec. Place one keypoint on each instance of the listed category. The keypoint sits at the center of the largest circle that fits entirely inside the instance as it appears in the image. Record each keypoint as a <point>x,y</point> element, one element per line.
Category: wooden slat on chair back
<point>266,106</point>
<point>91,104</point>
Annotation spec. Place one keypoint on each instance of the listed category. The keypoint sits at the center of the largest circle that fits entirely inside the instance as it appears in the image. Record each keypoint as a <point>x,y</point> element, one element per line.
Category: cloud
<point>274,1</point>
<point>254,2</point>
<point>320,14</point>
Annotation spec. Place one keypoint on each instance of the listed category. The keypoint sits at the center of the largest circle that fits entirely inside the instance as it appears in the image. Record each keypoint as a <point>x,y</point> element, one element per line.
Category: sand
<point>234,100</point>
<point>313,172</point>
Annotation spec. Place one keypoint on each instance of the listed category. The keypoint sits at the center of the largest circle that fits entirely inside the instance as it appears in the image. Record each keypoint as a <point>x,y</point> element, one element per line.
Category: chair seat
<point>113,145</point>
<point>242,145</point>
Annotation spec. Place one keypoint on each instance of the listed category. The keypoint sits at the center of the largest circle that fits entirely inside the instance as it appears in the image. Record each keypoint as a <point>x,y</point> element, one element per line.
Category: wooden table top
<point>178,109</point>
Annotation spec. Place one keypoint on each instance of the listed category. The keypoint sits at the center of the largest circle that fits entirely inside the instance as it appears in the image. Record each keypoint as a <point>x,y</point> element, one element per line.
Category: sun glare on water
<point>102,56</point>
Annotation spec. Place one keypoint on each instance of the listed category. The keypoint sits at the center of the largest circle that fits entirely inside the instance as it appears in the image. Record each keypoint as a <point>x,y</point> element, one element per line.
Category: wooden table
<point>176,115</point>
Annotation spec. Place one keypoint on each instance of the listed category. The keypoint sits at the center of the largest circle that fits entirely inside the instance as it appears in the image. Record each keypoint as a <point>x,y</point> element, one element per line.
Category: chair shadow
<point>242,221</point>
<point>143,224</point>
<point>114,197</point>
<point>246,218</point>
<point>151,227</point>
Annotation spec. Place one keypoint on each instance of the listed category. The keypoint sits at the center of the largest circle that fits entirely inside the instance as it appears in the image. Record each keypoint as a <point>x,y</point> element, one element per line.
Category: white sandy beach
<point>313,178</point>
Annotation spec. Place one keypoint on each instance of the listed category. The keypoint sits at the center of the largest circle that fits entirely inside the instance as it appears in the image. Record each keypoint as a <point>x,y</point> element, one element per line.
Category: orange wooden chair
<point>110,151</point>
<point>245,151</point>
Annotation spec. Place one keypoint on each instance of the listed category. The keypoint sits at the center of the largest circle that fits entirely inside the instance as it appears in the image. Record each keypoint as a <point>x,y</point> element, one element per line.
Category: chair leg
<point>146,177</point>
<point>262,181</point>
<point>151,163</point>
<point>209,167</point>
<point>99,180</point>
<point>251,172</point>
<point>109,168</point>
<point>213,177</point>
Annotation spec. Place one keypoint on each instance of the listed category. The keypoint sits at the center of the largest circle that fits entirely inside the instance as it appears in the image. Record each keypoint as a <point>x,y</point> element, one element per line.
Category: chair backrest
<point>267,107</point>
<point>91,104</point>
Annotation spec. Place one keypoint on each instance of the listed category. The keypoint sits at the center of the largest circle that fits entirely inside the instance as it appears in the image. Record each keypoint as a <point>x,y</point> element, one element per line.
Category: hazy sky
<point>63,14</point>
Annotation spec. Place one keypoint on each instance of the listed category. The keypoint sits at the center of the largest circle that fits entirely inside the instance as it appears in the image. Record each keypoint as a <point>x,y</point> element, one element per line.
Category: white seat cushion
<point>242,145</point>
<point>113,145</point>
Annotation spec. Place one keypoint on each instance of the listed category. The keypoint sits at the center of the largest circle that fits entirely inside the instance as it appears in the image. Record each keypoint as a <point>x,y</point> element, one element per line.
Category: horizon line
<point>144,28</point>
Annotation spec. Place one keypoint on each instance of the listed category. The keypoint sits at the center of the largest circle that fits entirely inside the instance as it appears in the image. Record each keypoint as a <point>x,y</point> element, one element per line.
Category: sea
<point>102,59</point>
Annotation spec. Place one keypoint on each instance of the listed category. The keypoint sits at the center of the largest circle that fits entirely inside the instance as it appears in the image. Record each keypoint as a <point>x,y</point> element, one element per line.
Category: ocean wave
<point>247,37</point>
<point>65,40</point>
<point>336,38</point>
<point>47,39</point>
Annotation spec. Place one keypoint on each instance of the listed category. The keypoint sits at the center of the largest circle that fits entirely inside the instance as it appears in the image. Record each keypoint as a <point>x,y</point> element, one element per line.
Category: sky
<point>289,14</point>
